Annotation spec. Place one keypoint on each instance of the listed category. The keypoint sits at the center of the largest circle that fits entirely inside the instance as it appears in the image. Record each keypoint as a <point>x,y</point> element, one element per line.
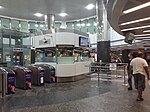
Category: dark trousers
<point>129,79</point>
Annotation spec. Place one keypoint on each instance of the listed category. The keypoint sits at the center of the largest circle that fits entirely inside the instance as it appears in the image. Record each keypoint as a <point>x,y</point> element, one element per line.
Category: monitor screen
<point>83,42</point>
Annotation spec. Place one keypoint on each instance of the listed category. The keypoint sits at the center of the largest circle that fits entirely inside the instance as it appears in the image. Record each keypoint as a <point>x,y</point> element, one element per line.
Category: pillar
<point>103,37</point>
<point>50,22</point>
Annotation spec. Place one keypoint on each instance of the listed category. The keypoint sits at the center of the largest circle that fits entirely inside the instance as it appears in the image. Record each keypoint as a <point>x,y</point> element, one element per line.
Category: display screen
<point>83,42</point>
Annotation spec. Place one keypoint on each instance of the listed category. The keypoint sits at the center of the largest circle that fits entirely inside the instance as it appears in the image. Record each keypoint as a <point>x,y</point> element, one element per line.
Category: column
<point>103,37</point>
<point>50,22</point>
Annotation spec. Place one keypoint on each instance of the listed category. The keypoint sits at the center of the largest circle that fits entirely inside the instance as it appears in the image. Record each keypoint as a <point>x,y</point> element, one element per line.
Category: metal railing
<point>110,68</point>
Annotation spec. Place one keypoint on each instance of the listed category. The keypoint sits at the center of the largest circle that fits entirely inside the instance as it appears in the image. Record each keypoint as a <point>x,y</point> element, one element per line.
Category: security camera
<point>45,40</point>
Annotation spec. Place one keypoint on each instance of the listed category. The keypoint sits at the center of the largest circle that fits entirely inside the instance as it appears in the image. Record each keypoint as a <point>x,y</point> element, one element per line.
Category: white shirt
<point>138,65</point>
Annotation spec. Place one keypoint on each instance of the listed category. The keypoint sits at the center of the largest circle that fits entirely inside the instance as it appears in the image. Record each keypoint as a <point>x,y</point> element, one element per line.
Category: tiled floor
<point>86,95</point>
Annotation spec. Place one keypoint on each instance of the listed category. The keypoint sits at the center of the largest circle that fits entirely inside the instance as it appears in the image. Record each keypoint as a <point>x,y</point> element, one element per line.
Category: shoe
<point>130,88</point>
<point>139,99</point>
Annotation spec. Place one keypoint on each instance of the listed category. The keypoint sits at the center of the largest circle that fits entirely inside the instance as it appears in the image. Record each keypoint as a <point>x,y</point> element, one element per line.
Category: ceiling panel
<point>26,8</point>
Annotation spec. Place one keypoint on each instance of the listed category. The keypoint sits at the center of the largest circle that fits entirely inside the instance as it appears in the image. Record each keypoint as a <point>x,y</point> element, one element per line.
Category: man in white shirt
<point>139,69</point>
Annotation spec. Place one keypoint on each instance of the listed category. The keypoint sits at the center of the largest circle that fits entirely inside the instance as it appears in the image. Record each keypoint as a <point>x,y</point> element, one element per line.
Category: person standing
<point>139,68</point>
<point>129,74</point>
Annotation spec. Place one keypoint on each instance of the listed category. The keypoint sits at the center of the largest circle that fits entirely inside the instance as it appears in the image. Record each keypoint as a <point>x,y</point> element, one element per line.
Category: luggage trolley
<point>38,75</point>
<point>23,77</point>
<point>7,81</point>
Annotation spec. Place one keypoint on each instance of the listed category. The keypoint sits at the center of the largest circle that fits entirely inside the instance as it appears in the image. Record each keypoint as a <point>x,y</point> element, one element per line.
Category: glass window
<point>91,27</point>
<point>84,26</point>
<point>77,25</point>
<point>24,26</point>
<point>70,25</point>
<point>5,23</point>
<point>33,25</point>
<point>14,24</point>
<point>57,25</point>
<point>41,26</point>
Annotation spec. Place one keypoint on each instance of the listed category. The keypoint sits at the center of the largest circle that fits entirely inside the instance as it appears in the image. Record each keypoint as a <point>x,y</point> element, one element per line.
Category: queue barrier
<point>116,70</point>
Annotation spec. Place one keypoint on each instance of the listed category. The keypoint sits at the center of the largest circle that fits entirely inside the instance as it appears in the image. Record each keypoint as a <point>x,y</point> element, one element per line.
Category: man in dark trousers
<point>139,68</point>
<point>129,74</point>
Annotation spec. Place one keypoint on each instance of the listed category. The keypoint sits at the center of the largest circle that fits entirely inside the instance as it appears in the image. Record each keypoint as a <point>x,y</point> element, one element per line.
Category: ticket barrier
<point>49,72</point>
<point>38,75</point>
<point>23,77</point>
<point>7,81</point>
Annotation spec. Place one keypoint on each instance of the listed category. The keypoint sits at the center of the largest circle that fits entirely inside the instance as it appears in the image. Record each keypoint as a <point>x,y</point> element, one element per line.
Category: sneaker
<point>130,88</point>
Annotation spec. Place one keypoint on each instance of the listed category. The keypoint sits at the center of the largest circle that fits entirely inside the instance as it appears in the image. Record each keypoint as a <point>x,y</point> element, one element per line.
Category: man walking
<point>139,68</point>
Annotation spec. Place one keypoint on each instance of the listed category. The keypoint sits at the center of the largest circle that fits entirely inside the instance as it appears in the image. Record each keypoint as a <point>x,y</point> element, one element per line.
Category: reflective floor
<point>87,95</point>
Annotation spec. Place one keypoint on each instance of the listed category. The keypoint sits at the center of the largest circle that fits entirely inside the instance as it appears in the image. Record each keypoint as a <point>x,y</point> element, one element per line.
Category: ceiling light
<point>90,6</point>
<point>78,25</point>
<point>142,35</point>
<point>1,7</point>
<point>38,14</point>
<point>135,28</point>
<point>36,25</point>
<point>82,24</point>
<point>95,24</point>
<point>63,14</point>
<point>146,31</point>
<point>88,24</point>
<point>137,8</point>
<point>41,25</point>
<point>135,21</point>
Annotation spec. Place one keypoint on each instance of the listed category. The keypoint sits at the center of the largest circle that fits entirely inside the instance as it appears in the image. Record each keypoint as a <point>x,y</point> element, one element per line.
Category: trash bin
<point>37,77</point>
<point>23,77</point>
<point>49,72</point>
<point>7,80</point>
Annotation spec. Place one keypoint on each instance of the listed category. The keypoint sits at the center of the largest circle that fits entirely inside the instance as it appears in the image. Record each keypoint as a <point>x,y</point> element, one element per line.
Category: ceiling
<point>139,14</point>
<point>25,9</point>
<point>117,17</point>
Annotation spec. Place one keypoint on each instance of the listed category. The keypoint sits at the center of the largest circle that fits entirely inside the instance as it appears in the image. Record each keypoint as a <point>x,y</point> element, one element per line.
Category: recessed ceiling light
<point>135,28</point>
<point>136,8</point>
<point>146,31</point>
<point>142,35</point>
<point>136,21</point>
<point>38,14</point>
<point>90,6</point>
<point>63,14</point>
<point>1,7</point>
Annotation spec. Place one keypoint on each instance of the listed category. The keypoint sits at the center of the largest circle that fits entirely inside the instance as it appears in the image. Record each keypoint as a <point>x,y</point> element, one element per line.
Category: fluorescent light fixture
<point>78,25</point>
<point>135,21</point>
<point>90,6</point>
<point>38,14</point>
<point>135,28</point>
<point>36,25</point>
<point>72,25</point>
<point>142,35</point>
<point>136,8</point>
<point>146,31</point>
<point>88,24</point>
<point>63,14</point>
<point>95,24</point>
<point>41,25</point>
<point>82,24</point>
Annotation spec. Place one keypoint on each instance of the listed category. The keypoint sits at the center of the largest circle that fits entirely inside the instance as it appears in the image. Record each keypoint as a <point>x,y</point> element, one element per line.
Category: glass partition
<point>15,48</point>
<point>45,55</point>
